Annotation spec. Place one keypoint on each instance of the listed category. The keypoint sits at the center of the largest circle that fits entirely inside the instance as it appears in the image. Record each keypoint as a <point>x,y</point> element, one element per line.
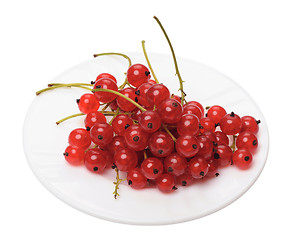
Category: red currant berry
<point>247,141</point>
<point>95,160</point>
<point>170,111</point>
<point>198,167</point>
<point>141,94</point>
<point>206,146</point>
<point>161,144</point>
<point>187,146</point>
<point>150,121</point>
<point>249,124</point>
<point>93,118</point>
<point>138,74</point>
<point>224,155</point>
<point>152,168</point>
<point>156,94</point>
<point>80,137</point>
<point>109,158</point>
<point>165,183</point>
<point>117,143</point>
<point>185,179</point>
<point>197,104</point>
<point>206,124</point>
<point>175,164</point>
<point>230,124</point>
<point>151,81</point>
<point>121,123</point>
<point>106,75</point>
<point>175,97</point>
<point>210,135</point>
<point>74,155</point>
<point>88,103</point>
<point>221,138</point>
<point>136,179</point>
<point>188,125</point>
<point>242,158</point>
<point>114,106</point>
<point>192,109</point>
<point>136,138</point>
<point>215,113</point>
<point>123,103</point>
<point>125,159</point>
<point>105,83</point>
<point>101,134</point>
<point>213,167</point>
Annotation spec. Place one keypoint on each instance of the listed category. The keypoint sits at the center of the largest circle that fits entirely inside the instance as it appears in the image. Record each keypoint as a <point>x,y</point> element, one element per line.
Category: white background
<point>250,41</point>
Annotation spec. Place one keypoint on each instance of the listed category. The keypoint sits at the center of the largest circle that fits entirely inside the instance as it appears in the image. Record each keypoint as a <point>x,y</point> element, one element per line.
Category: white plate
<point>44,143</point>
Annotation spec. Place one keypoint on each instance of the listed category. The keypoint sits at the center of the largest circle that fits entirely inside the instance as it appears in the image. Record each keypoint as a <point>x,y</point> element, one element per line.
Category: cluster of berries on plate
<point>157,138</point>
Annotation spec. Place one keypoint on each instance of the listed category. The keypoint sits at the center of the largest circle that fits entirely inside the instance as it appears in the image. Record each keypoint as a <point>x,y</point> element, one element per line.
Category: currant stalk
<point>233,143</point>
<point>81,84</point>
<point>148,62</point>
<point>117,183</point>
<point>118,54</point>
<point>62,85</point>
<point>183,94</point>
<point>116,114</point>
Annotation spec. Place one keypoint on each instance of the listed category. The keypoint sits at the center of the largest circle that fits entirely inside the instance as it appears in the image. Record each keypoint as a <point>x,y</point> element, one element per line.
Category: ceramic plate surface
<point>44,143</point>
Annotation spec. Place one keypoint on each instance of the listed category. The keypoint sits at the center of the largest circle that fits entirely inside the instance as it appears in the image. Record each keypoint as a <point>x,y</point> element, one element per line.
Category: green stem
<point>233,143</point>
<point>121,95</point>
<point>116,114</point>
<point>148,62</point>
<point>69,117</point>
<point>81,84</point>
<point>169,133</point>
<point>62,85</point>
<point>117,183</point>
<point>174,59</point>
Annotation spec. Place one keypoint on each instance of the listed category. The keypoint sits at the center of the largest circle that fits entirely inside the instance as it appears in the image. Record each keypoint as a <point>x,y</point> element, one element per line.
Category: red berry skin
<point>95,160</point>
<point>166,183</point>
<point>105,83</point>
<point>138,74</point>
<point>230,124</point>
<point>109,158</point>
<point>213,167</point>
<point>156,94</point>
<point>175,97</point>
<point>249,124</point>
<point>121,123</point>
<point>210,135</point>
<point>170,111</point>
<point>74,155</point>
<point>246,140</point>
<point>151,81</point>
<point>94,117</point>
<point>152,168</point>
<point>188,125</point>
<point>123,103</point>
<point>150,121</point>
<point>80,137</point>
<point>187,146</point>
<point>185,179</point>
<point>175,164</point>
<point>101,134</point>
<point>206,146</point>
<point>242,158</point>
<point>117,143</point>
<point>198,167</point>
<point>216,113</point>
<point>125,159</point>
<point>106,75</point>
<point>221,138</point>
<point>141,94</point>
<point>88,103</point>
<point>224,155</point>
<point>195,103</point>
<point>136,179</point>
<point>161,144</point>
<point>192,109</point>
<point>136,138</point>
<point>206,124</point>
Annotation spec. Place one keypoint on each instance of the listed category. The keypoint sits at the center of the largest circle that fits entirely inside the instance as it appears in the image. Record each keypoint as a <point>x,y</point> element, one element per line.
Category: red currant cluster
<point>157,138</point>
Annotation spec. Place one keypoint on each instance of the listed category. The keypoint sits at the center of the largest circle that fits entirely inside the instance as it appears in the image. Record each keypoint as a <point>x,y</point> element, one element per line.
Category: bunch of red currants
<point>157,138</point>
